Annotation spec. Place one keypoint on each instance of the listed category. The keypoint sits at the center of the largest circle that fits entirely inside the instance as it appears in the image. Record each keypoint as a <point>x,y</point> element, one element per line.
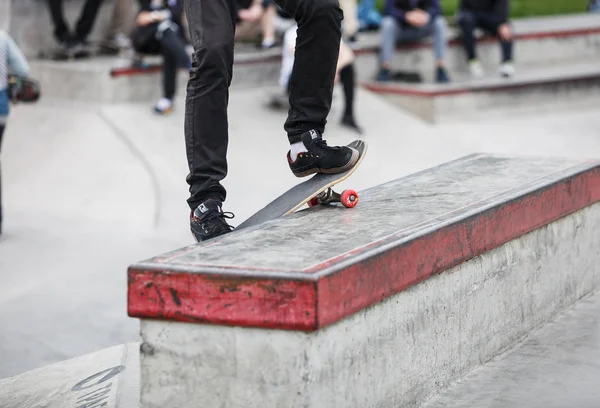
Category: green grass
<point>524,8</point>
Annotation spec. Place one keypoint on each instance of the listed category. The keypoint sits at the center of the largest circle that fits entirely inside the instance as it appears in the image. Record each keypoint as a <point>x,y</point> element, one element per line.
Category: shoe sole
<point>334,170</point>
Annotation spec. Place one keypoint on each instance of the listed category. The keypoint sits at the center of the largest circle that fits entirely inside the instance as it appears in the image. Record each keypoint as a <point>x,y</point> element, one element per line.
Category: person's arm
<point>501,9</point>
<point>392,10</point>
<point>253,13</point>
<point>16,61</point>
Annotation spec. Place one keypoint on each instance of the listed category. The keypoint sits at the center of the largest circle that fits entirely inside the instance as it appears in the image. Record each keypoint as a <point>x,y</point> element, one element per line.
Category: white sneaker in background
<point>476,69</point>
<point>507,69</point>
<point>122,41</point>
<point>163,106</point>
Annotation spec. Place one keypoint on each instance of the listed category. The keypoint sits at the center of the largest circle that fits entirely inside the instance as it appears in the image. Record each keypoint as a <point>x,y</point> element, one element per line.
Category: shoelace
<point>225,214</point>
<point>228,215</point>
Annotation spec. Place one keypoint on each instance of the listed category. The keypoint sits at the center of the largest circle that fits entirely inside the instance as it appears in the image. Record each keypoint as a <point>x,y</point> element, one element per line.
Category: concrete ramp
<point>107,378</point>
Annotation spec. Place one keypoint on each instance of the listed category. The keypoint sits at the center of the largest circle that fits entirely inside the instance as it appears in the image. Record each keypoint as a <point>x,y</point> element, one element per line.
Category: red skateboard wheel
<point>349,198</point>
<point>313,202</point>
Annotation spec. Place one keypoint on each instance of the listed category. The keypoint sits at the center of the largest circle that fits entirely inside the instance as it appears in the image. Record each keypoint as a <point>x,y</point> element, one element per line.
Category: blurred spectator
<point>344,73</point>
<point>254,18</point>
<point>594,6</point>
<point>76,41</point>
<point>412,20</point>
<point>491,16</point>
<point>12,61</point>
<point>369,17</point>
<point>350,22</point>
<point>159,30</point>
<point>283,21</point>
<point>116,40</point>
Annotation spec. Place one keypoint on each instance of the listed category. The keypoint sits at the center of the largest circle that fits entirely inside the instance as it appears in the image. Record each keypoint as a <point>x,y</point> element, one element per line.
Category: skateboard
<point>21,89</point>
<point>313,192</point>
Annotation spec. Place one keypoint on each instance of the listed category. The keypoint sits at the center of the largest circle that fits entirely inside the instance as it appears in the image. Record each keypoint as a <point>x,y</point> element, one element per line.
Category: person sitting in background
<point>116,41</point>
<point>254,17</point>
<point>491,16</point>
<point>74,42</point>
<point>12,61</point>
<point>345,73</point>
<point>350,22</point>
<point>412,20</point>
<point>159,30</point>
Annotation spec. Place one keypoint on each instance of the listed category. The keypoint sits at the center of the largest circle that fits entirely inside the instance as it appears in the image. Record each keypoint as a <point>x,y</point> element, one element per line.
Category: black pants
<point>212,29</point>
<point>489,22</point>
<point>1,133</point>
<point>84,24</point>
<point>172,48</point>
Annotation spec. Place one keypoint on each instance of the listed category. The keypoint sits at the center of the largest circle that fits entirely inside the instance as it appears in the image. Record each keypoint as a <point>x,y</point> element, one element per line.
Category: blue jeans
<point>392,32</point>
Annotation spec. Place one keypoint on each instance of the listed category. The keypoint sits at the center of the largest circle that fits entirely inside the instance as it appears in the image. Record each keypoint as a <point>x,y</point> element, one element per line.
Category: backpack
<point>369,18</point>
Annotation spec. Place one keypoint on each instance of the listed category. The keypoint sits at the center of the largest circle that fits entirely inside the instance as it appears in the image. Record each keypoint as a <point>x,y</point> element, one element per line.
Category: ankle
<point>296,149</point>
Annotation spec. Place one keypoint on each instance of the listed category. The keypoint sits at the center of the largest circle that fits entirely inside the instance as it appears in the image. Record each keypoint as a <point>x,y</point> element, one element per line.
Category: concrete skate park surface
<point>90,188</point>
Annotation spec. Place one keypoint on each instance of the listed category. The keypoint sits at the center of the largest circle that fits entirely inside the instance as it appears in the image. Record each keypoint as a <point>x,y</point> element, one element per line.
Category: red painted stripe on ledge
<point>194,298</point>
<point>373,280</point>
<point>116,72</point>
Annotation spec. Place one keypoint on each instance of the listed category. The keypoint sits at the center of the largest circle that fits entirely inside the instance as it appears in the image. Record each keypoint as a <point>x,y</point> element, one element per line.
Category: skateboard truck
<point>348,198</point>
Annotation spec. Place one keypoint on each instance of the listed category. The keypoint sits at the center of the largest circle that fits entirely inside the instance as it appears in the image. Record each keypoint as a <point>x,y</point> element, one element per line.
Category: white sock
<point>295,149</point>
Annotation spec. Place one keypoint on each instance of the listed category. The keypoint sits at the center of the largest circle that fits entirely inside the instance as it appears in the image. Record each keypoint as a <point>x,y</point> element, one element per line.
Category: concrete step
<point>538,41</point>
<point>113,79</point>
<point>533,89</point>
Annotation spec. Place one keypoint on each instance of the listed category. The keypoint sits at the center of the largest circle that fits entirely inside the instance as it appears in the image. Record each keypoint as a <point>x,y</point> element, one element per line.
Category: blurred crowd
<point>160,28</point>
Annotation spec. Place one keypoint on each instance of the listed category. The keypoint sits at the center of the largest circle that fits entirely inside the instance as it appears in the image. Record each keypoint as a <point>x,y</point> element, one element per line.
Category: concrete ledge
<point>533,89</point>
<point>408,232</point>
<point>397,353</point>
<point>108,378</point>
<point>441,271</point>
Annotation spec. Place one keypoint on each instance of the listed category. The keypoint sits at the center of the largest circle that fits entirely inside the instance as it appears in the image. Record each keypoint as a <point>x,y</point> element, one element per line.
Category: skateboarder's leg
<point>311,87</point>
<point>316,54</point>
<point>212,29</point>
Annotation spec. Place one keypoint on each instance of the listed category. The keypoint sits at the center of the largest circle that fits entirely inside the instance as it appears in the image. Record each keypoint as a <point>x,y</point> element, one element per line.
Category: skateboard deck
<point>314,191</point>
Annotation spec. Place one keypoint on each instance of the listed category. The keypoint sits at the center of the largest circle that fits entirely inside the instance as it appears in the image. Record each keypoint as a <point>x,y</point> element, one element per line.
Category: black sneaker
<point>207,220</point>
<point>321,158</point>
